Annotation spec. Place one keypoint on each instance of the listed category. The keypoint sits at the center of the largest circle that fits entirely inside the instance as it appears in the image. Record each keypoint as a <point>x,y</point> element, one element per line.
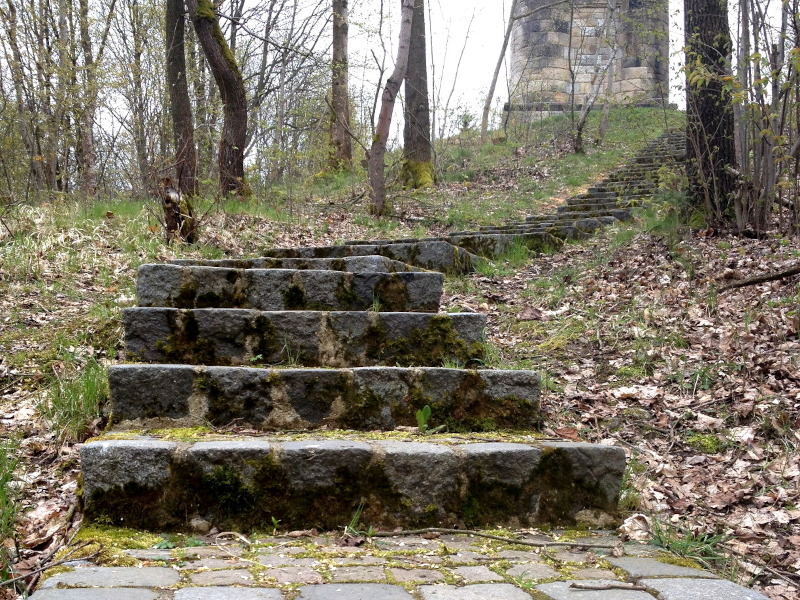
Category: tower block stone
<point>558,51</point>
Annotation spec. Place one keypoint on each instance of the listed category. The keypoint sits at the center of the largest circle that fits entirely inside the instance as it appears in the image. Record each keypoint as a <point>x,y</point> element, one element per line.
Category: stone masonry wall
<point>576,34</point>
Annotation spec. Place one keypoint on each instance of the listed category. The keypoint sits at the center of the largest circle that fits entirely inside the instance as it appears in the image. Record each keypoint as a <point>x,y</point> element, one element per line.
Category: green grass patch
<point>9,503</point>
<point>73,403</point>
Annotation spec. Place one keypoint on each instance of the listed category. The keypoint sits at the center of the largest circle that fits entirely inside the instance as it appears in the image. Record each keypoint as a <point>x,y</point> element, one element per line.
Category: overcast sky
<point>474,26</point>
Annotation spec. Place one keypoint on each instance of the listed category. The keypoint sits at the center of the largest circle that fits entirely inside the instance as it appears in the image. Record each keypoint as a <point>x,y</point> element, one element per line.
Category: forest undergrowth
<point>635,343</point>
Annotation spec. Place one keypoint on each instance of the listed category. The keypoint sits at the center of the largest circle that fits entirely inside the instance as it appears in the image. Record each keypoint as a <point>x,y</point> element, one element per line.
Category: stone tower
<point>559,49</point>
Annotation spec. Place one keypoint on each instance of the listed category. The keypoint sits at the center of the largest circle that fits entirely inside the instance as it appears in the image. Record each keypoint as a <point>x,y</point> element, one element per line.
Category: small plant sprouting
<point>353,527</point>
<point>423,417</point>
<point>275,523</point>
<point>376,305</point>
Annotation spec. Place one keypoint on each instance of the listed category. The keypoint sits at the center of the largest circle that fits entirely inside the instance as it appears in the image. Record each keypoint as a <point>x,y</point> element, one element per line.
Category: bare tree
<point>180,105</point>
<point>417,149</point>
<point>342,145</point>
<point>232,91</point>
<point>377,151</point>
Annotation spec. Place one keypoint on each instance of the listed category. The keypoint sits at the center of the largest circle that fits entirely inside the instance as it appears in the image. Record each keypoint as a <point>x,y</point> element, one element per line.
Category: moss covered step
<point>351,264</point>
<point>233,336</point>
<point>433,255</point>
<point>493,244</point>
<point>253,483</point>
<point>368,398</point>
<point>283,289</point>
<point>620,214</point>
<point>583,224</point>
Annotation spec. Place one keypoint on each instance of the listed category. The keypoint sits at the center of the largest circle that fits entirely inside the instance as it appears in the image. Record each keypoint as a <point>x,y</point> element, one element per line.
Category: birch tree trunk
<point>377,151</point>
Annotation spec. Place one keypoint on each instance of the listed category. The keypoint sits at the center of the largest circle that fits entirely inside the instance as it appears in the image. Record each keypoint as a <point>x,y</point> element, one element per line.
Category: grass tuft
<point>71,404</point>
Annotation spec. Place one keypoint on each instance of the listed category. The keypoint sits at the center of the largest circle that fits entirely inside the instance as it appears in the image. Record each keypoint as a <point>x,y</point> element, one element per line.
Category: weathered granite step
<point>231,336</point>
<point>433,255</point>
<point>255,482</point>
<point>490,245</point>
<point>584,223</point>
<point>368,398</point>
<point>620,214</point>
<point>351,264</point>
<point>622,188</point>
<point>599,205</point>
<point>283,289</point>
<point>582,199</point>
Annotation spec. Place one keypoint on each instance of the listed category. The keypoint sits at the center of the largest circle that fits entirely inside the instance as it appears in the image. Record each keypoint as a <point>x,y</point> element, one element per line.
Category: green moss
<point>294,297</point>
<point>345,292</point>
<point>267,344</point>
<point>205,12</point>
<point>706,442</point>
<point>437,343</point>
<point>186,296</point>
<point>678,561</point>
<point>185,344</point>
<point>182,434</point>
<point>417,174</point>
<point>392,293</point>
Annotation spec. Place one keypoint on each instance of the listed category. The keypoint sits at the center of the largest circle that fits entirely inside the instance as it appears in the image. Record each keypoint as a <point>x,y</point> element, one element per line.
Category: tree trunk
<point>377,151</point>
<point>88,156</point>
<point>231,89</point>
<point>418,154</point>
<point>180,105</point>
<point>342,145</point>
<point>710,127</point>
<point>138,101</point>
<point>25,109</point>
<point>487,105</point>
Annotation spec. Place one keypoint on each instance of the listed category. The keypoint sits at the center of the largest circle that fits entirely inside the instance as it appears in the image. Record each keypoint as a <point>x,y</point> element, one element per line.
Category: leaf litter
<point>634,345</point>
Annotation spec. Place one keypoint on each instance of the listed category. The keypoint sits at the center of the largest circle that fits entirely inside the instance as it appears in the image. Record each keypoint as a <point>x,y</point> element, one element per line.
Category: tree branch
<point>762,278</point>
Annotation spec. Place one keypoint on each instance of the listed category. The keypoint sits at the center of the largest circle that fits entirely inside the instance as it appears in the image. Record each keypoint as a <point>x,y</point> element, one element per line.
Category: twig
<point>489,536</point>
<point>762,278</point>
<point>55,564</point>
<point>608,586</point>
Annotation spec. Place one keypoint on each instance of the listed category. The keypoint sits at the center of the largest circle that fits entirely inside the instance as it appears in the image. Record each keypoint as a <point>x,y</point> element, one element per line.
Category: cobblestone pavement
<point>448,567</point>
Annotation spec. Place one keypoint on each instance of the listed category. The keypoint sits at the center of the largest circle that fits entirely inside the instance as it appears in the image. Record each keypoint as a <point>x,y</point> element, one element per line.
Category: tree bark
<point>377,151</point>
<point>342,145</point>
<point>710,126</point>
<point>418,154</point>
<point>231,89</point>
<point>180,105</point>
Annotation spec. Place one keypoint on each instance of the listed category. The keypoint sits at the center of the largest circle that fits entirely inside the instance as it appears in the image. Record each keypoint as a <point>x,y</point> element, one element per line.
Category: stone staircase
<point>606,202</point>
<point>308,367</point>
<point>315,434</point>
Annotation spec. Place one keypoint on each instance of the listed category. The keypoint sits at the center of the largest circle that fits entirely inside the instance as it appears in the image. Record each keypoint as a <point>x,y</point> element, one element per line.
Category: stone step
<point>350,264</point>
<point>622,188</point>
<point>433,255</point>
<point>620,214</point>
<point>232,336</point>
<point>367,398</point>
<point>590,205</point>
<point>605,197</point>
<point>252,483</point>
<point>490,245</point>
<point>584,223</point>
<point>283,289</point>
